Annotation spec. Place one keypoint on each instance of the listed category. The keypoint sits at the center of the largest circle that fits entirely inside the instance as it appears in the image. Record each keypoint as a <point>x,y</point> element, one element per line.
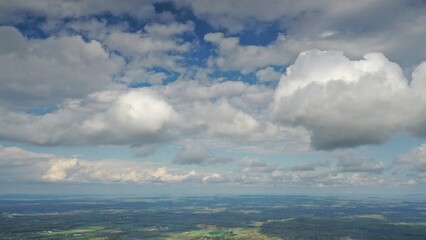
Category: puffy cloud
<point>163,175</point>
<point>215,178</point>
<point>343,103</point>
<point>58,171</point>
<point>233,56</point>
<point>46,71</point>
<point>137,110</point>
<point>134,117</point>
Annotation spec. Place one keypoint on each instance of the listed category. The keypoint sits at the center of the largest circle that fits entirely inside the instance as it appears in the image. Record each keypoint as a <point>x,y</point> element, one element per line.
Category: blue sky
<point>212,97</point>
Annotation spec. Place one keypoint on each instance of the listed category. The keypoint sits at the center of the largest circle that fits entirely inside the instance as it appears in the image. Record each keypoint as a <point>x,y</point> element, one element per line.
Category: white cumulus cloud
<point>135,117</point>
<point>343,102</point>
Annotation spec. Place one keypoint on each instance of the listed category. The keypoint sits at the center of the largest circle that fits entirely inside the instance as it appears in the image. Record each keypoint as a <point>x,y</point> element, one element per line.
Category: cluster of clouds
<point>340,102</point>
<point>79,83</point>
<point>105,112</point>
<point>395,28</point>
<point>26,165</point>
<point>18,164</point>
<point>148,117</point>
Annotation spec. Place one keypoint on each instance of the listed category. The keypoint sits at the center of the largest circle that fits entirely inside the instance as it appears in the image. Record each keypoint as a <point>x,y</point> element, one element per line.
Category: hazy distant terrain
<point>240,217</point>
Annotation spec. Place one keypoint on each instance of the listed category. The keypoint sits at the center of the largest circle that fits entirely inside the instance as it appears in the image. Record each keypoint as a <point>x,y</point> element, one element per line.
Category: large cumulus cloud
<point>346,103</point>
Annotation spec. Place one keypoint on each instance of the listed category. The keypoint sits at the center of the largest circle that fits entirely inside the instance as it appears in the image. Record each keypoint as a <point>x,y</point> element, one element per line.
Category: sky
<point>212,97</point>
